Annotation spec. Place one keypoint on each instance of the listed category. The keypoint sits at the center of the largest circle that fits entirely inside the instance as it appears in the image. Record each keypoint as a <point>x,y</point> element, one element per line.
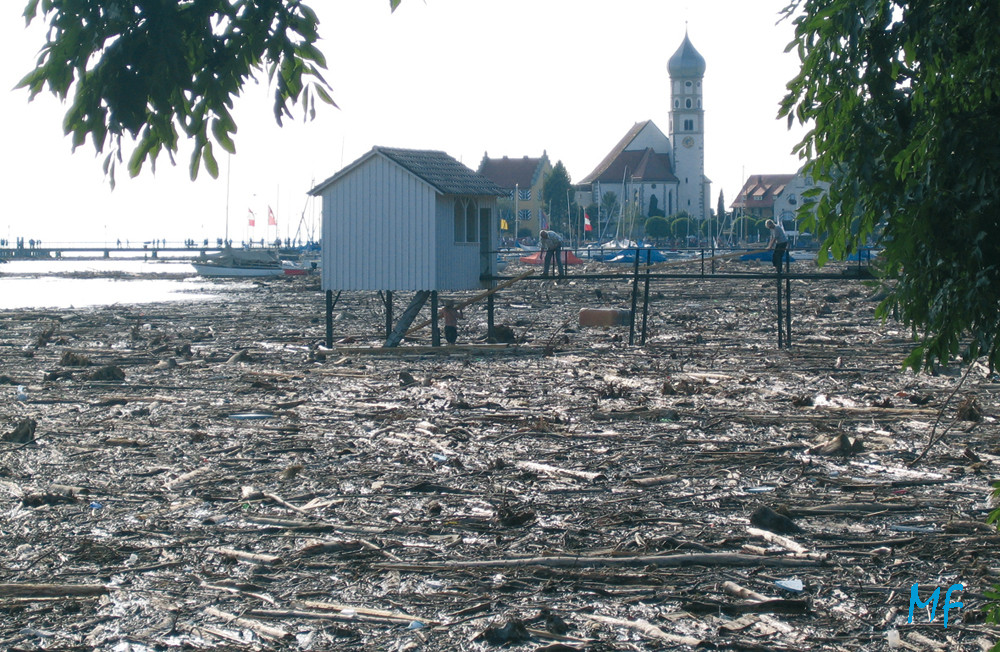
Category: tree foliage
<point>657,227</point>
<point>555,193</point>
<point>680,224</point>
<point>148,73</point>
<point>609,205</point>
<point>902,99</point>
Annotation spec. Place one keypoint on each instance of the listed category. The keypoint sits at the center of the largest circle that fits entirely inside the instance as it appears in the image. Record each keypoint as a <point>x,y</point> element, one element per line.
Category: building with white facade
<point>651,173</point>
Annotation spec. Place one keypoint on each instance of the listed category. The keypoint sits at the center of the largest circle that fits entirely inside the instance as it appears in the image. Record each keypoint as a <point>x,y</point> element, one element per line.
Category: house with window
<point>403,219</point>
<point>757,197</point>
<point>522,179</point>
<point>777,197</point>
<point>788,205</point>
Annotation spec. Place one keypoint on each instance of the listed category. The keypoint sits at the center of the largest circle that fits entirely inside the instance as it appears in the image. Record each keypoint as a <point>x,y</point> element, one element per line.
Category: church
<point>651,173</point>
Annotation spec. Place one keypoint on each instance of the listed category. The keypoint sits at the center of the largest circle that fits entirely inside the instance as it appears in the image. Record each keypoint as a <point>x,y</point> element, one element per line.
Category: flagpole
<point>516,214</point>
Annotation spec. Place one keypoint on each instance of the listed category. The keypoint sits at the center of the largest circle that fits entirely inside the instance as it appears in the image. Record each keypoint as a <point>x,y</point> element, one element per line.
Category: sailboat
<point>241,262</point>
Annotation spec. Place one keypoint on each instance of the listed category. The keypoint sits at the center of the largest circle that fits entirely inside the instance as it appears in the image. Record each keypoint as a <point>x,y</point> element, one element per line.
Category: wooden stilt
<point>388,313</point>
<point>329,319</point>
<point>411,312</point>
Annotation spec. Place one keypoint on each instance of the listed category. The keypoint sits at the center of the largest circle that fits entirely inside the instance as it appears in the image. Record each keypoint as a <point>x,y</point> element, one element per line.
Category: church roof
<point>641,164</point>
<point>509,173</point>
<point>636,165</point>
<point>686,61</point>
<point>447,175</point>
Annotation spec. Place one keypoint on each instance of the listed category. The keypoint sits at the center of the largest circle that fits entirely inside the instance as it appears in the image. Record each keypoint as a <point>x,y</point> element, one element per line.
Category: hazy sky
<point>507,77</point>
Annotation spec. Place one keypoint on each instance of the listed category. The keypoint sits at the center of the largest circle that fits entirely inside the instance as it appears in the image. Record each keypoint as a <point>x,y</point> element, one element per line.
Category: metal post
<point>713,251</point>
<point>645,298</point>
<point>781,341</point>
<point>435,329</point>
<point>788,299</point>
<point>635,299</point>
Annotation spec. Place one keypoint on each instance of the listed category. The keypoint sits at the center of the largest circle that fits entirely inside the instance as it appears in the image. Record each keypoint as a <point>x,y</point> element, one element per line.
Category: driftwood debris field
<point>206,475</point>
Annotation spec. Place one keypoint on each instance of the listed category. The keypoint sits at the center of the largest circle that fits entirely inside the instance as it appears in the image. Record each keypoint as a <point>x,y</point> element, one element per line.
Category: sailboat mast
<point>229,166</point>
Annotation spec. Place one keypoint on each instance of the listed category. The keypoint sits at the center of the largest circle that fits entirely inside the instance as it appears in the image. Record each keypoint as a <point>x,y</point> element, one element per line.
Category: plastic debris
<point>790,585</point>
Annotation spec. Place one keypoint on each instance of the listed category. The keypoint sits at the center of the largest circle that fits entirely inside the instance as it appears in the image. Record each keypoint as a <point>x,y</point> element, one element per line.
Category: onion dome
<point>686,62</point>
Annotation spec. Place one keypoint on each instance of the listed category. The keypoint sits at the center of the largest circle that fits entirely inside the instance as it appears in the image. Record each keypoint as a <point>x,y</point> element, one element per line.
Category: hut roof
<point>447,175</point>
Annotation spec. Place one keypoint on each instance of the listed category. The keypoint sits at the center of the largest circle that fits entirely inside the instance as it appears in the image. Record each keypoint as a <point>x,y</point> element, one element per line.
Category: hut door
<point>486,241</point>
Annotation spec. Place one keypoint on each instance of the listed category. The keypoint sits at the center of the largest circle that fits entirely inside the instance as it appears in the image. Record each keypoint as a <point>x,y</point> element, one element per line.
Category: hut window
<point>471,225</point>
<point>459,220</point>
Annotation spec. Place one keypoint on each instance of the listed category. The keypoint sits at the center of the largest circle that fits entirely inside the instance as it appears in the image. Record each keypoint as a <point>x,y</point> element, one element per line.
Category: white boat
<point>242,262</point>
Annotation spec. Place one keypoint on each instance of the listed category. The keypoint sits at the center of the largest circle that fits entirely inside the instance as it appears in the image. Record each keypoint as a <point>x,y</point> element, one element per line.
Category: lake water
<point>43,284</point>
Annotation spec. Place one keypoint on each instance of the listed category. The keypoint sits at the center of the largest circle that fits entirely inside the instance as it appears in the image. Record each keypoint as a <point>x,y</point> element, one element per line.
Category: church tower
<point>687,129</point>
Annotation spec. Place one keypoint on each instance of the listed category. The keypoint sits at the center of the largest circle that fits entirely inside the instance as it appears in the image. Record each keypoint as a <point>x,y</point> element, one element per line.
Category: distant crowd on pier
<point>19,243</point>
<point>190,243</point>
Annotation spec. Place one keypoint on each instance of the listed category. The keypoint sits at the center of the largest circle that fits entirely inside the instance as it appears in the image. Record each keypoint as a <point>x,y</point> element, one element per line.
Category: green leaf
<point>221,134</point>
<point>211,165</point>
<point>176,69</point>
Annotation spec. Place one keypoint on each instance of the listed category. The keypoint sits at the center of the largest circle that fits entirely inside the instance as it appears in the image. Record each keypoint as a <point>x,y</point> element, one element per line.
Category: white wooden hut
<point>403,219</point>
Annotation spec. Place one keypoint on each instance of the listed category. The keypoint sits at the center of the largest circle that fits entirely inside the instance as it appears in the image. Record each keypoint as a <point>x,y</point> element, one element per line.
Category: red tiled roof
<point>765,186</point>
<point>511,172</point>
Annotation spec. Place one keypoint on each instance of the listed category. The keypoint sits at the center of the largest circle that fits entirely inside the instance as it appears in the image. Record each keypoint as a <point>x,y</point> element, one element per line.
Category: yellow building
<point>523,179</point>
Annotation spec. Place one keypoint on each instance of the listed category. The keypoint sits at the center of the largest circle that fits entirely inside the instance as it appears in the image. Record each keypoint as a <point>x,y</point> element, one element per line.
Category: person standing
<point>778,242</point>
<point>551,244</point>
<point>451,315</point>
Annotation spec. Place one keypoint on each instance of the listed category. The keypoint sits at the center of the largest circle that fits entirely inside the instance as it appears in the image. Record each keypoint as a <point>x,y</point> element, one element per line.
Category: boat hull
<point>230,271</point>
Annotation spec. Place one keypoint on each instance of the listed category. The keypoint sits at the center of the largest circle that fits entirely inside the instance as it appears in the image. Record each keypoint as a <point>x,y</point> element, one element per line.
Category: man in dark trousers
<point>551,244</point>
<point>779,242</point>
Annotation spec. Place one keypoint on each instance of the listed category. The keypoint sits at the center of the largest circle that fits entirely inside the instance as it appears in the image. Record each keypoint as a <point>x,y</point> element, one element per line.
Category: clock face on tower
<point>688,141</point>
